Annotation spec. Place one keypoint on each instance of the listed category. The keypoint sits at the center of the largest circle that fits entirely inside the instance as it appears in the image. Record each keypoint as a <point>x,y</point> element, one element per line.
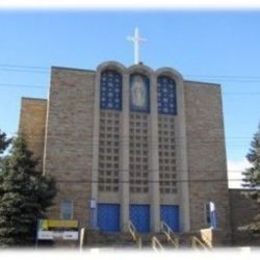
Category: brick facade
<point>32,125</point>
<point>68,145</point>
<point>206,153</point>
<point>69,137</point>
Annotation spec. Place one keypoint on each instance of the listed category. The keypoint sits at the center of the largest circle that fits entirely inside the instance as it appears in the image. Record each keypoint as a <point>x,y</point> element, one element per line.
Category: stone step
<point>101,239</point>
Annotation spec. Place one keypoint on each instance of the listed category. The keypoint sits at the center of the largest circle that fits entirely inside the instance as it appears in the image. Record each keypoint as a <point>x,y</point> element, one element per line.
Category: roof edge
<point>73,69</point>
<point>201,82</point>
<point>36,99</point>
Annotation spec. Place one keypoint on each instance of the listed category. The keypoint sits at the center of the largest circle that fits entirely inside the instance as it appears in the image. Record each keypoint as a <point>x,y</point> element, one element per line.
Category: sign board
<point>50,229</point>
<point>213,217</point>
<point>93,204</point>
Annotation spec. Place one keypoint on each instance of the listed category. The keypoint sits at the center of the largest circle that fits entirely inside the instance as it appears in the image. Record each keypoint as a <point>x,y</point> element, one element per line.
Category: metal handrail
<point>82,237</point>
<point>207,242</point>
<point>156,245</point>
<point>135,236</point>
<point>132,230</point>
<point>171,237</point>
<point>197,243</point>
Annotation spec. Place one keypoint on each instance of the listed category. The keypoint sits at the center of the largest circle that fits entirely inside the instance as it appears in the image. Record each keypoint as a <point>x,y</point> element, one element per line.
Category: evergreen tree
<point>252,178</point>
<point>4,141</point>
<point>25,194</point>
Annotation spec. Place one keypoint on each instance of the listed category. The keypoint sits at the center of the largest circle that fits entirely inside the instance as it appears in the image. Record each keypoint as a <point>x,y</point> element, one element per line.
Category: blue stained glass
<point>166,96</point>
<point>111,90</point>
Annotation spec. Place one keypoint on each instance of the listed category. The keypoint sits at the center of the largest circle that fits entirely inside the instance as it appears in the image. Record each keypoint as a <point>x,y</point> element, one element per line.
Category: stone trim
<point>181,153</point>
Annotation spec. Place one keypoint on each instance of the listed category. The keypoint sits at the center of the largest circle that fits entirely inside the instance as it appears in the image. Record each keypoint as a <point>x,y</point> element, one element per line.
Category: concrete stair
<point>184,240</point>
<point>100,239</point>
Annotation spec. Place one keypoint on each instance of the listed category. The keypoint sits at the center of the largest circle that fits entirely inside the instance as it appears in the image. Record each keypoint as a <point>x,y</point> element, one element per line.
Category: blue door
<point>108,217</point>
<point>170,215</point>
<point>140,217</point>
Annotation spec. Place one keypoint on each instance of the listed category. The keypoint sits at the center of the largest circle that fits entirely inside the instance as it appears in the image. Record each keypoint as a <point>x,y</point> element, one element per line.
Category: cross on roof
<point>136,39</point>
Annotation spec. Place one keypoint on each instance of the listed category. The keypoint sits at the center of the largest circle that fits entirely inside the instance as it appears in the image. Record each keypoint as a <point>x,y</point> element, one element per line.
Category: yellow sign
<point>46,224</point>
<point>50,229</point>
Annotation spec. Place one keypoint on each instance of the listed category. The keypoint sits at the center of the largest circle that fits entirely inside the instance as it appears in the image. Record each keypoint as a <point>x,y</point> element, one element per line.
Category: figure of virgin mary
<point>138,92</point>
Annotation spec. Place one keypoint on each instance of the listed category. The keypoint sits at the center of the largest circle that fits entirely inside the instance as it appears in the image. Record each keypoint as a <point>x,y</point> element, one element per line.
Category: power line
<point>150,181</point>
<point>149,146</point>
<point>41,69</point>
<point>224,76</point>
<point>158,144</point>
<point>33,67</point>
<point>241,93</point>
<point>24,66</point>
<point>26,71</point>
<point>141,180</point>
<point>21,85</point>
<point>152,171</point>
<point>128,137</point>
<point>46,87</point>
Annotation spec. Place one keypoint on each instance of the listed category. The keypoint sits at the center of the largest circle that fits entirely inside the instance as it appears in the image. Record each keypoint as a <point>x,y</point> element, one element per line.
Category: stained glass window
<point>111,90</point>
<point>166,96</point>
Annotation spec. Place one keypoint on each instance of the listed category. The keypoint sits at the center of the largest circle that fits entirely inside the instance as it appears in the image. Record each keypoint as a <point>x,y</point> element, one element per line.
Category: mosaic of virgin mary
<point>139,91</point>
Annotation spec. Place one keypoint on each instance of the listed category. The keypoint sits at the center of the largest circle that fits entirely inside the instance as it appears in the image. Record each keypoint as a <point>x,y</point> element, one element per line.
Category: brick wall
<point>68,152</point>
<point>69,143</point>
<point>32,125</point>
<point>206,153</point>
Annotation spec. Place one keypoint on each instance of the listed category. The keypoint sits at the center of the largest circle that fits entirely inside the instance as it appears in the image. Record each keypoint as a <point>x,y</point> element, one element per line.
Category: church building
<point>131,144</point>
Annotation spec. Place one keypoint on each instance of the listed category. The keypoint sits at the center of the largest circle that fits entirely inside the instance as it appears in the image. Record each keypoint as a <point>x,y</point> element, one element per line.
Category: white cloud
<point>235,169</point>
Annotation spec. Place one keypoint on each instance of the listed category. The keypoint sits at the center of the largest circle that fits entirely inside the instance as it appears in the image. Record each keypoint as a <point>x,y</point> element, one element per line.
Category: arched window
<point>111,90</point>
<point>166,96</point>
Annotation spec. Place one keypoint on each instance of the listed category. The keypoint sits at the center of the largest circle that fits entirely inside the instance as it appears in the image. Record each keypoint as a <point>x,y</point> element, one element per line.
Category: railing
<point>171,237</point>
<point>135,236</point>
<point>198,244</point>
<point>82,237</point>
<point>156,245</point>
<point>132,230</point>
<point>207,241</point>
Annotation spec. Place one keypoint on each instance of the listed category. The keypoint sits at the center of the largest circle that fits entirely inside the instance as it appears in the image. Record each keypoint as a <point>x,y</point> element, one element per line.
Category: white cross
<point>136,40</point>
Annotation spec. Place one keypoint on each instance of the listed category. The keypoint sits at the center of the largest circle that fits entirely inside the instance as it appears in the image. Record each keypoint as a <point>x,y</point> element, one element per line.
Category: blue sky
<point>214,46</point>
